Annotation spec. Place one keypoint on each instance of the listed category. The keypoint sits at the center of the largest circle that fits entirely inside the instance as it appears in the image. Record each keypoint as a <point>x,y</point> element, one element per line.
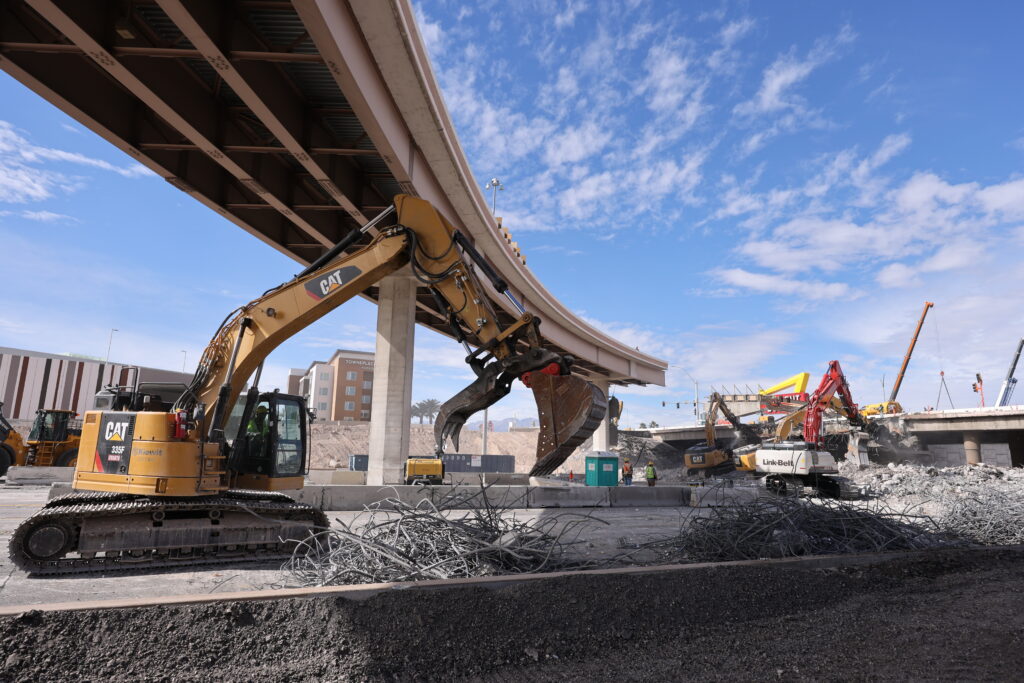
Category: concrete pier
<point>972,448</point>
<point>602,435</point>
<point>392,380</point>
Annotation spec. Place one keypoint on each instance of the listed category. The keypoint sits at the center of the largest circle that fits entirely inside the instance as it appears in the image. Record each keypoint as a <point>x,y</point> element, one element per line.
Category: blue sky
<point>748,190</point>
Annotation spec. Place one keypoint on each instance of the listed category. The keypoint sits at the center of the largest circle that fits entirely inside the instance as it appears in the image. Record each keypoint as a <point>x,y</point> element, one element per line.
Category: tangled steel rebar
<point>789,527</point>
<point>461,535</point>
<point>985,517</point>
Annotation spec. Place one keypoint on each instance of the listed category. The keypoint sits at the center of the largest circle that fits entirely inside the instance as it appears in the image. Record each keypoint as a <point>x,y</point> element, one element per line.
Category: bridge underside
<point>233,103</point>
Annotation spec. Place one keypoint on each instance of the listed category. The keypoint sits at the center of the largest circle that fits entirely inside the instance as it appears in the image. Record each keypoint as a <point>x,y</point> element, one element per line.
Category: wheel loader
<point>52,441</point>
<point>201,482</point>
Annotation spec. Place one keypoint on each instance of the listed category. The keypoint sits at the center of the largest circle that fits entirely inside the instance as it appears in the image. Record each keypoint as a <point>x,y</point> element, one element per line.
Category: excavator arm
<point>747,434</point>
<point>833,383</point>
<point>441,259</point>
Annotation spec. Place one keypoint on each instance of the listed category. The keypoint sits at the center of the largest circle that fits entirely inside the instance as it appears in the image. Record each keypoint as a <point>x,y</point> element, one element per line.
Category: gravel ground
<point>954,615</point>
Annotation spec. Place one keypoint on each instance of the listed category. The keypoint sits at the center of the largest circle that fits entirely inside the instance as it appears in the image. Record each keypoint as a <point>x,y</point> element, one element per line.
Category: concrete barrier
<point>649,496</point>
<point>498,478</point>
<point>38,476</point>
<point>325,477</point>
<point>720,496</point>
<point>358,497</point>
<point>569,497</point>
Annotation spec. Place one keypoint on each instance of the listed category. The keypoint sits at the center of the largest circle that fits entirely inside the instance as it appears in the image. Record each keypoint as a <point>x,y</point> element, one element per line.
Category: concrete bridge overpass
<point>297,121</point>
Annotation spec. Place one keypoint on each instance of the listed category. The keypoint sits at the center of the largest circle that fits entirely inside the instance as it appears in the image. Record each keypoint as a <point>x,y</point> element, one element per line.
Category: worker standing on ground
<point>650,473</point>
<point>627,473</point>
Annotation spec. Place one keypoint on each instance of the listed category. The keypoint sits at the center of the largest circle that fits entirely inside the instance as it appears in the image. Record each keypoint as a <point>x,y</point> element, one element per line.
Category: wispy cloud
<point>779,285</point>
<point>788,71</point>
<point>23,177</point>
<point>45,216</point>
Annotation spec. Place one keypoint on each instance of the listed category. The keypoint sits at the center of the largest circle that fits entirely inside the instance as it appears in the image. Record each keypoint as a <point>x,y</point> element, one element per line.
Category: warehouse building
<point>339,389</point>
<point>34,380</point>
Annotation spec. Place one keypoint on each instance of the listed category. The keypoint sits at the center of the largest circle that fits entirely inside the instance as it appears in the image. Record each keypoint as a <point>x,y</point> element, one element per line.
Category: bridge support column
<point>972,447</point>
<point>602,440</point>
<point>390,411</point>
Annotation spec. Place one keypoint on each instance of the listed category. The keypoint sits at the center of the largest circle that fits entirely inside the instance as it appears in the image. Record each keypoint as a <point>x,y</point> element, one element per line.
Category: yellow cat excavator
<point>709,458</point>
<point>198,481</point>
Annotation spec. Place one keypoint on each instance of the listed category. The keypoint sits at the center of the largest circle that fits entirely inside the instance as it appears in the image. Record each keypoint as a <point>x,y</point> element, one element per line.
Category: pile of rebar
<point>791,527</point>
<point>985,517</point>
<point>396,541</point>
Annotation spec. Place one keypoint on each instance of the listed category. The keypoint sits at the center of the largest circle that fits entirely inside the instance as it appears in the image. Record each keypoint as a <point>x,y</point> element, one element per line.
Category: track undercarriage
<point>92,531</point>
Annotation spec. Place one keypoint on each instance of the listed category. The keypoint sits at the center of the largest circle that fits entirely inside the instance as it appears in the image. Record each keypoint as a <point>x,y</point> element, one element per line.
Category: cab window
<point>289,439</point>
<point>257,437</point>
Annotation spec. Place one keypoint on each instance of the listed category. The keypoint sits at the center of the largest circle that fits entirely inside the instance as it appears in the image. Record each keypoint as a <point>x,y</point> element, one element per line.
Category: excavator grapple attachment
<point>493,384</point>
<point>570,410</point>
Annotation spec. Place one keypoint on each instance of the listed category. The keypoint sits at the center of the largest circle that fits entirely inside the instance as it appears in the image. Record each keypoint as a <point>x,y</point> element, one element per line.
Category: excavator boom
<point>160,488</point>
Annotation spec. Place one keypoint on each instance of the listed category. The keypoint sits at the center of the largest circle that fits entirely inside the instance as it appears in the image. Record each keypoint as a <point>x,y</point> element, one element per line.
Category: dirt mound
<point>677,625</point>
<point>338,440</point>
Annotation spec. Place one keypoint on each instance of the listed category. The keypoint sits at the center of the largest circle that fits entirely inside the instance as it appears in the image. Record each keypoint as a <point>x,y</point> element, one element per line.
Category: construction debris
<point>920,481</point>
<point>396,541</point>
<point>991,517</point>
<point>791,527</point>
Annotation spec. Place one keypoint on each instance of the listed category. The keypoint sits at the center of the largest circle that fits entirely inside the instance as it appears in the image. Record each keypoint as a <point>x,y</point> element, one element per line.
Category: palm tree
<point>430,408</point>
<point>417,411</point>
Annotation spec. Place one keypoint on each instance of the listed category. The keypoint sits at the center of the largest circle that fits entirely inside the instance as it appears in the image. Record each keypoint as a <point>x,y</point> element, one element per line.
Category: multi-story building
<point>33,380</point>
<point>339,389</point>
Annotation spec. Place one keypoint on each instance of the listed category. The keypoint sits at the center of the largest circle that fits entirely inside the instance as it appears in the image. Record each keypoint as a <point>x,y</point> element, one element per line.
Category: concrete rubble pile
<point>396,541</point>
<point>978,503</point>
<point>907,480</point>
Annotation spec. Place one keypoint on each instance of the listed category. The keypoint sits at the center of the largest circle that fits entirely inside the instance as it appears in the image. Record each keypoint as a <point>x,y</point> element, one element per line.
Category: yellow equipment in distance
<point>52,441</point>
<point>709,458</point>
<point>798,384</point>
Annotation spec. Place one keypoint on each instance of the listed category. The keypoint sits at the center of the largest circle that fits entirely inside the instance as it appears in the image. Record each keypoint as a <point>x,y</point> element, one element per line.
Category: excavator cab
<point>270,447</point>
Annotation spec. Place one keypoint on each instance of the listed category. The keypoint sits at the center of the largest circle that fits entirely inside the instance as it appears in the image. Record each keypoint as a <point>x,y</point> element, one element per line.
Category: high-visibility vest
<point>649,472</point>
<point>627,470</point>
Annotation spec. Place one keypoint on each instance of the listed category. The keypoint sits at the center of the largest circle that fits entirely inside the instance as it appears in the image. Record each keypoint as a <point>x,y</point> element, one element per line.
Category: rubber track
<point>76,506</point>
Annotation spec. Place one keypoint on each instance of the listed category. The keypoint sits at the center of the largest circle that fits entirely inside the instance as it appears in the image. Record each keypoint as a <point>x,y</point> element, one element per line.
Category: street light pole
<point>184,358</point>
<point>696,395</point>
<point>110,340</point>
<point>494,185</point>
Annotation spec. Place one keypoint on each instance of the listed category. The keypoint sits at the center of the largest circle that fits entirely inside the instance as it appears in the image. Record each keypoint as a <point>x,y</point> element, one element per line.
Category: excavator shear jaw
<point>570,408</point>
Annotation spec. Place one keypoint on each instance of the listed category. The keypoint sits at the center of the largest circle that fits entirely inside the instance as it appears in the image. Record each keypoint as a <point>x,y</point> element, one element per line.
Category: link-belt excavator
<point>160,484</point>
<point>790,465</point>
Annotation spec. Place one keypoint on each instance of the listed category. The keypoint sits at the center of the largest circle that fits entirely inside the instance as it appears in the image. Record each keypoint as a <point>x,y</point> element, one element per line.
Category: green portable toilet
<point>602,469</point>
